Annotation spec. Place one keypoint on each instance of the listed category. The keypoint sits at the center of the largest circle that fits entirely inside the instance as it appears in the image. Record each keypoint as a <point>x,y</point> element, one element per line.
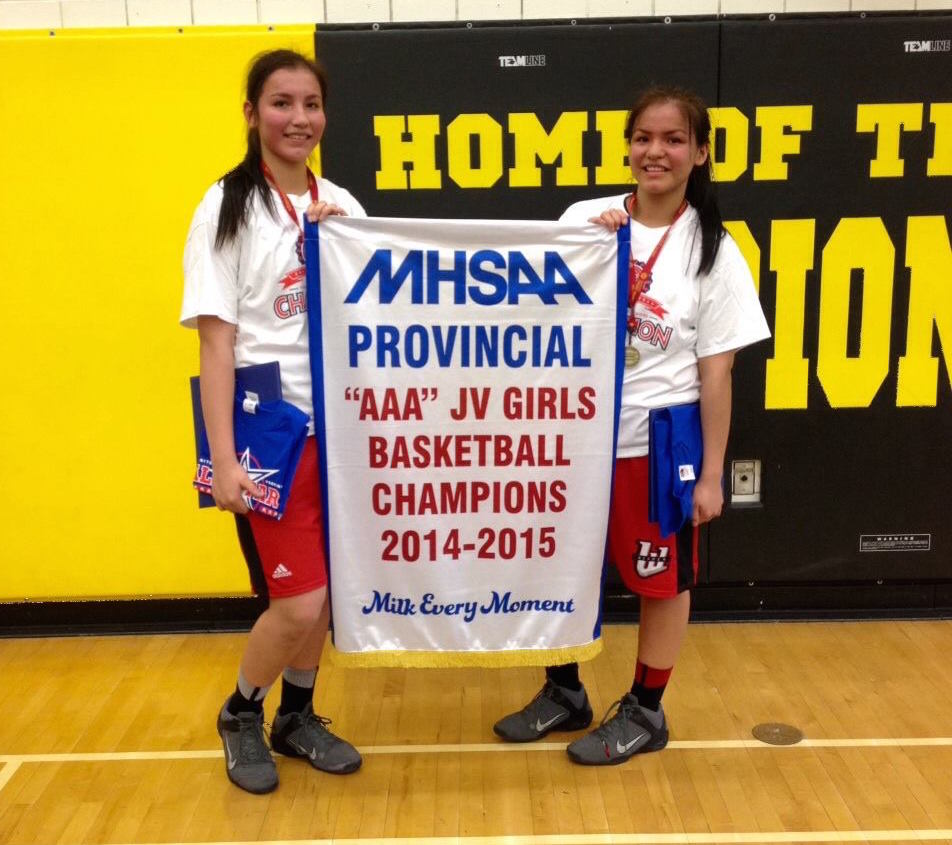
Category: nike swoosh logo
<point>621,749</point>
<point>312,754</point>
<point>541,726</point>
<point>230,760</point>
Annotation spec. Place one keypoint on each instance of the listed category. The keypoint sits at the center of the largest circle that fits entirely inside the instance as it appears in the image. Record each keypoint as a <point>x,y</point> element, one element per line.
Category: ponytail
<point>239,184</point>
<point>701,194</point>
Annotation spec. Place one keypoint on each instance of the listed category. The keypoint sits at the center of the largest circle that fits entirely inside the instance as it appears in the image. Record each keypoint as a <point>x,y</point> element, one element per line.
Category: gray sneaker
<point>248,762</point>
<point>306,735</point>
<point>631,730</point>
<point>550,710</point>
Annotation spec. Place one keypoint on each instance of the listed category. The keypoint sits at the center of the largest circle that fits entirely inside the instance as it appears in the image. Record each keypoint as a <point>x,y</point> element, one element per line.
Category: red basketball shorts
<point>285,556</point>
<point>649,564</point>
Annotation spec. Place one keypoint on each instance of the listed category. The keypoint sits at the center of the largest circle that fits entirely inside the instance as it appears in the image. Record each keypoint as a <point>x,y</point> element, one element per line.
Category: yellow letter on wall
<point>419,151</point>
<point>532,141</point>
<point>460,166</point>
<point>940,164</point>
<point>929,259</point>
<point>730,162</point>
<point>791,258</point>
<point>888,120</point>
<point>852,381</point>
<point>775,143</point>
<point>614,169</point>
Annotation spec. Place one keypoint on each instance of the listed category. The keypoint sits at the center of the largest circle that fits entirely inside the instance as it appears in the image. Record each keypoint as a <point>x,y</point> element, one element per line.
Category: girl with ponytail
<point>692,305</point>
<point>244,292</point>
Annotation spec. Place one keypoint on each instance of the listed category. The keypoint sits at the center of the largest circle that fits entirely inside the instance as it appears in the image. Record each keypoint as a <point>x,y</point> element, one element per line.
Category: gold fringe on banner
<point>457,659</point>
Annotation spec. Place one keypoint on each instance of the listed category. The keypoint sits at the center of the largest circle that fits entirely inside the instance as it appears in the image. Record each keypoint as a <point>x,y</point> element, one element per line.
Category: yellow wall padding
<point>109,139</point>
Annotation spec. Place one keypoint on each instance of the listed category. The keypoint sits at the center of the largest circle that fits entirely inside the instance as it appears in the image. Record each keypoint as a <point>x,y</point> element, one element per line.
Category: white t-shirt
<point>257,283</point>
<point>680,317</point>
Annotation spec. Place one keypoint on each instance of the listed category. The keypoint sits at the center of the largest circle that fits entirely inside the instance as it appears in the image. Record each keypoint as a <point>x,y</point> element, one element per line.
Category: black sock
<point>297,690</point>
<point>649,685</point>
<point>239,704</point>
<point>247,698</point>
<point>565,675</point>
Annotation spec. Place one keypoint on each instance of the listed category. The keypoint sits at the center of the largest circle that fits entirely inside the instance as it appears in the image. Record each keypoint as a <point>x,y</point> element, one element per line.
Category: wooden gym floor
<point>112,740</point>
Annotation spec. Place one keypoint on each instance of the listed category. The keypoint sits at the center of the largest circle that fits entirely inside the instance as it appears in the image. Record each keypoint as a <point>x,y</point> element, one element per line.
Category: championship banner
<point>466,378</point>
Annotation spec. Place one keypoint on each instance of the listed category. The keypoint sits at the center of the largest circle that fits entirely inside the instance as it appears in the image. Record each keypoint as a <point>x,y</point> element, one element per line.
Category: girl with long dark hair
<point>692,305</point>
<point>244,292</point>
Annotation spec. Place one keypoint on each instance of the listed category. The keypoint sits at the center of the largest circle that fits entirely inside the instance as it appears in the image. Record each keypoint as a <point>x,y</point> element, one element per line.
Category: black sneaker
<point>632,729</point>
<point>550,710</point>
<point>305,734</point>
<point>248,762</point>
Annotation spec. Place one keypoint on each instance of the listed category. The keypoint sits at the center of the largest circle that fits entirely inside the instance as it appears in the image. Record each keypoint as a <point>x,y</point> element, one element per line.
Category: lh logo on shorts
<point>649,560</point>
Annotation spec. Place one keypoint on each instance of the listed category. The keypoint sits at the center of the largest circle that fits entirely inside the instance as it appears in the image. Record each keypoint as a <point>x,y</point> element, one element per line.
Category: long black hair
<point>700,188</point>
<point>242,181</point>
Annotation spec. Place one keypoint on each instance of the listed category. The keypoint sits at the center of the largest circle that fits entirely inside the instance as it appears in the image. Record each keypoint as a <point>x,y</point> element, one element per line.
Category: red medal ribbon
<point>292,213</point>
<point>637,277</point>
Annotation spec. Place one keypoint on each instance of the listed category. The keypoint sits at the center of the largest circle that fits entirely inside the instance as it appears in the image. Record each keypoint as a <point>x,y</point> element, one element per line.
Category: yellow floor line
<point>478,747</point>
<point>8,771</point>
<point>873,743</point>
<point>762,837</point>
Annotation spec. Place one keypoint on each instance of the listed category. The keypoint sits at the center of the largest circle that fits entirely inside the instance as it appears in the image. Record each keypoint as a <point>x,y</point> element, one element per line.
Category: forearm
<point>716,395</point>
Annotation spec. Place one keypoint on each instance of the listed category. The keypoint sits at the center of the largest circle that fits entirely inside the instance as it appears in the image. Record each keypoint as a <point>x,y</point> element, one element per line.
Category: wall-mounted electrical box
<point>745,482</point>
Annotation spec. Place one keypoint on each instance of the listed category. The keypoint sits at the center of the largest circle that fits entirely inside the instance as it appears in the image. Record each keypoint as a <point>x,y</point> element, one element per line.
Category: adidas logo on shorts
<point>281,571</point>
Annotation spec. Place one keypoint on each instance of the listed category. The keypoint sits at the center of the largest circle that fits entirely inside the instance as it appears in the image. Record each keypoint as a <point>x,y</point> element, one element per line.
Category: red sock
<point>649,684</point>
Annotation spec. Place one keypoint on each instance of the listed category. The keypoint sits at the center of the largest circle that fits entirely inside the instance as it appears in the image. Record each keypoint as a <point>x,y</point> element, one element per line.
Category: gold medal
<point>632,357</point>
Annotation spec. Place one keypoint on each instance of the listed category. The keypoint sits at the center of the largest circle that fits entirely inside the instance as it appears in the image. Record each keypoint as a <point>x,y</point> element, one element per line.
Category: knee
<point>300,614</point>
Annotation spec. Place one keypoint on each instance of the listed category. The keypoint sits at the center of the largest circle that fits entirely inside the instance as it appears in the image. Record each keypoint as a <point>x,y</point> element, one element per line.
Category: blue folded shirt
<point>269,439</point>
<point>675,451</point>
